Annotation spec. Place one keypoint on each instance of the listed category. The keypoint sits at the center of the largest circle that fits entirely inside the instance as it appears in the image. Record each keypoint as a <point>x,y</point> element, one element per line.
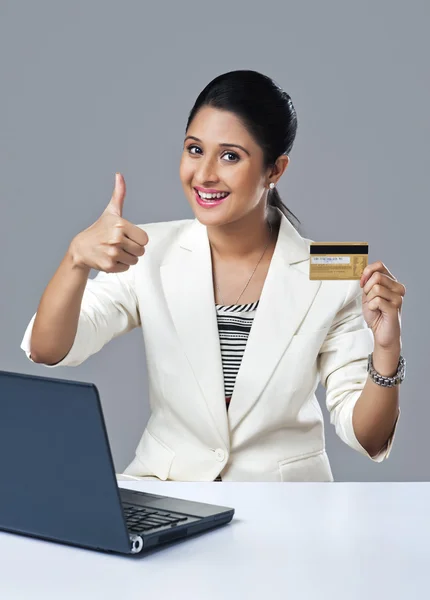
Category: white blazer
<point>303,332</point>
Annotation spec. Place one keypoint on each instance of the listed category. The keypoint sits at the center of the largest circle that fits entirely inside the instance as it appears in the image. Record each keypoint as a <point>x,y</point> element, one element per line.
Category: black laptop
<point>58,481</point>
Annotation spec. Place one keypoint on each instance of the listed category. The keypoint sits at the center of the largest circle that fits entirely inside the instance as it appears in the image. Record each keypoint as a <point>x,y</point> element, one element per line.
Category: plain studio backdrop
<point>90,88</point>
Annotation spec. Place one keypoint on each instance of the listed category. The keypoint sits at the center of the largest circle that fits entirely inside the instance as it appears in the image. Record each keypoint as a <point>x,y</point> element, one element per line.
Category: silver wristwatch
<point>387,381</point>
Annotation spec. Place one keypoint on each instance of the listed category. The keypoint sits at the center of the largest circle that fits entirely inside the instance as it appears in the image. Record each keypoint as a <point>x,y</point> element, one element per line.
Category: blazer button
<point>219,454</point>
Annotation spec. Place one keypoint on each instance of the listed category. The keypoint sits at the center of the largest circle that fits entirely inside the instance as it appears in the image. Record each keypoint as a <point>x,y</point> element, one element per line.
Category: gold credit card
<point>338,260</point>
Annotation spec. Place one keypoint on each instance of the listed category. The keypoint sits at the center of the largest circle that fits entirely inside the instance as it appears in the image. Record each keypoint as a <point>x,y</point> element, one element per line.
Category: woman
<point>237,275</point>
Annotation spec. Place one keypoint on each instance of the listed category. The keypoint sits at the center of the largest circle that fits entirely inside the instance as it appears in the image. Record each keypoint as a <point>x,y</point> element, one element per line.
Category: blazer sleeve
<point>342,364</point>
<point>109,308</point>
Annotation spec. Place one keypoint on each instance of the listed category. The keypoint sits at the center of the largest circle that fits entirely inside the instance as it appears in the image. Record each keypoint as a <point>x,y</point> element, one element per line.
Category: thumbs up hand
<point>111,244</point>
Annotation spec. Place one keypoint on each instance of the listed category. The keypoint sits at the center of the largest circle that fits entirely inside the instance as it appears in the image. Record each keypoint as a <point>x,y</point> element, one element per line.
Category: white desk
<point>351,541</point>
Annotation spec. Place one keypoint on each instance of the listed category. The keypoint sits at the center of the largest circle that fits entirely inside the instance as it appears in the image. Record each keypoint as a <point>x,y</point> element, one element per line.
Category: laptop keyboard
<point>140,519</point>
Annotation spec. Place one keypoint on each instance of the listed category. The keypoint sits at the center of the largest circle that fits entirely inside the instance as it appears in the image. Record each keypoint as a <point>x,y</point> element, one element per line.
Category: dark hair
<point>265,110</point>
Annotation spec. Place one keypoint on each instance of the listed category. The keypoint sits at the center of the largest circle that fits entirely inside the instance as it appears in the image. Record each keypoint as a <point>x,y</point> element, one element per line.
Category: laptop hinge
<point>136,543</point>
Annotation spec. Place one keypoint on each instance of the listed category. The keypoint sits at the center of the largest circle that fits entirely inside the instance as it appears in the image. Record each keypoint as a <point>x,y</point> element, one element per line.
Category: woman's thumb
<point>116,203</point>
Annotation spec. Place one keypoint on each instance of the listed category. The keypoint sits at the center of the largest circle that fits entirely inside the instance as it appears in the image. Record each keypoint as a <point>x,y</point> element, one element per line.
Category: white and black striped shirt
<point>234,324</point>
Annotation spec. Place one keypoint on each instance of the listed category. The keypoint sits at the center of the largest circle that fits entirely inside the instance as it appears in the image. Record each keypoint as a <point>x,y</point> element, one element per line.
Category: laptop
<point>58,478</point>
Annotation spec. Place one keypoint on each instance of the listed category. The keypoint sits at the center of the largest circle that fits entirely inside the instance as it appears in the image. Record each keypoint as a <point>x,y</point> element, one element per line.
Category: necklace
<point>252,274</point>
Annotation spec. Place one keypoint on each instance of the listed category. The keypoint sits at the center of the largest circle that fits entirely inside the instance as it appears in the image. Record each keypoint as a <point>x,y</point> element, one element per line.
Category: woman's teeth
<point>212,196</point>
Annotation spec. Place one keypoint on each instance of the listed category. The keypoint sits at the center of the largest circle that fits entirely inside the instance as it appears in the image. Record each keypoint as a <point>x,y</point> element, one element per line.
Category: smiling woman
<point>238,147</point>
<point>237,335</point>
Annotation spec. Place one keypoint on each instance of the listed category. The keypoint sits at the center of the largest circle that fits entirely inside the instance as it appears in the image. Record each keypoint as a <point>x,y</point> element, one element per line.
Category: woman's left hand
<point>382,304</point>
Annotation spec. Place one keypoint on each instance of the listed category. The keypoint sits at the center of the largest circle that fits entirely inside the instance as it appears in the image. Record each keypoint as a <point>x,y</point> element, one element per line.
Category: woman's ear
<point>279,167</point>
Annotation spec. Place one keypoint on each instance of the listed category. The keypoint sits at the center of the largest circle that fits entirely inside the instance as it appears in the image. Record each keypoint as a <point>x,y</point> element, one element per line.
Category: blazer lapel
<point>187,281</point>
<point>286,298</point>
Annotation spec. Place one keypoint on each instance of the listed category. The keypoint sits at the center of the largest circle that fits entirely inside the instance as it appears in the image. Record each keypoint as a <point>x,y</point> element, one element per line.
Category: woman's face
<point>221,157</point>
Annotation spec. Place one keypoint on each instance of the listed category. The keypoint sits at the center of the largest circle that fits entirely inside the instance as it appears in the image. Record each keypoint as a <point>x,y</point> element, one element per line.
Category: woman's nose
<point>206,172</point>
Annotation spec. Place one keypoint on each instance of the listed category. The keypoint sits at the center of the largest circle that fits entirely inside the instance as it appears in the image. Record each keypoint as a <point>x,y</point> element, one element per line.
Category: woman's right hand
<point>111,244</point>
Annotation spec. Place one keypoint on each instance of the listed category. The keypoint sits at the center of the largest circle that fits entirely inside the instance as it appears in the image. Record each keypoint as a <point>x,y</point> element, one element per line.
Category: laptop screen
<point>58,479</point>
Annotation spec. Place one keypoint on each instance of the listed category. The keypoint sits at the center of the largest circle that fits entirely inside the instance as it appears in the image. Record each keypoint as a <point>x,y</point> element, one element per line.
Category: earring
<point>272,185</point>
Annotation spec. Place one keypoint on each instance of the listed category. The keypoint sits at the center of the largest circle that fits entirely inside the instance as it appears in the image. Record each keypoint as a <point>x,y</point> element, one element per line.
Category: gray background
<point>90,88</point>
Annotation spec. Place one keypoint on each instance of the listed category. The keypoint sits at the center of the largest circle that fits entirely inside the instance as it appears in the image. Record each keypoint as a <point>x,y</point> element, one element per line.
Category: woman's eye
<point>191,148</point>
<point>232,156</point>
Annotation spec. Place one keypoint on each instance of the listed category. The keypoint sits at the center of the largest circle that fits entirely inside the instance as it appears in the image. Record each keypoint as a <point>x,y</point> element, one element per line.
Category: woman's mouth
<point>210,199</point>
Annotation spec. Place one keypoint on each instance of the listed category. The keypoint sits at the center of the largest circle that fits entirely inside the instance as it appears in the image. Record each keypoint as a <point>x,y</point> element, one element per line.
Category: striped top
<point>234,324</point>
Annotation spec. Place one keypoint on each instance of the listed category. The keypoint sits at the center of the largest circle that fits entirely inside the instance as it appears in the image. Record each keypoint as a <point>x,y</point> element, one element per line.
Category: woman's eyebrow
<point>192,137</point>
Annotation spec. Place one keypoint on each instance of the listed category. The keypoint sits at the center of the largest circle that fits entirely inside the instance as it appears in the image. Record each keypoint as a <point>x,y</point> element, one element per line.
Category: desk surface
<point>287,540</point>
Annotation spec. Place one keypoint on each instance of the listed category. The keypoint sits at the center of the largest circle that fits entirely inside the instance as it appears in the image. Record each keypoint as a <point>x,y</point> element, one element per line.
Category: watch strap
<point>396,379</point>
